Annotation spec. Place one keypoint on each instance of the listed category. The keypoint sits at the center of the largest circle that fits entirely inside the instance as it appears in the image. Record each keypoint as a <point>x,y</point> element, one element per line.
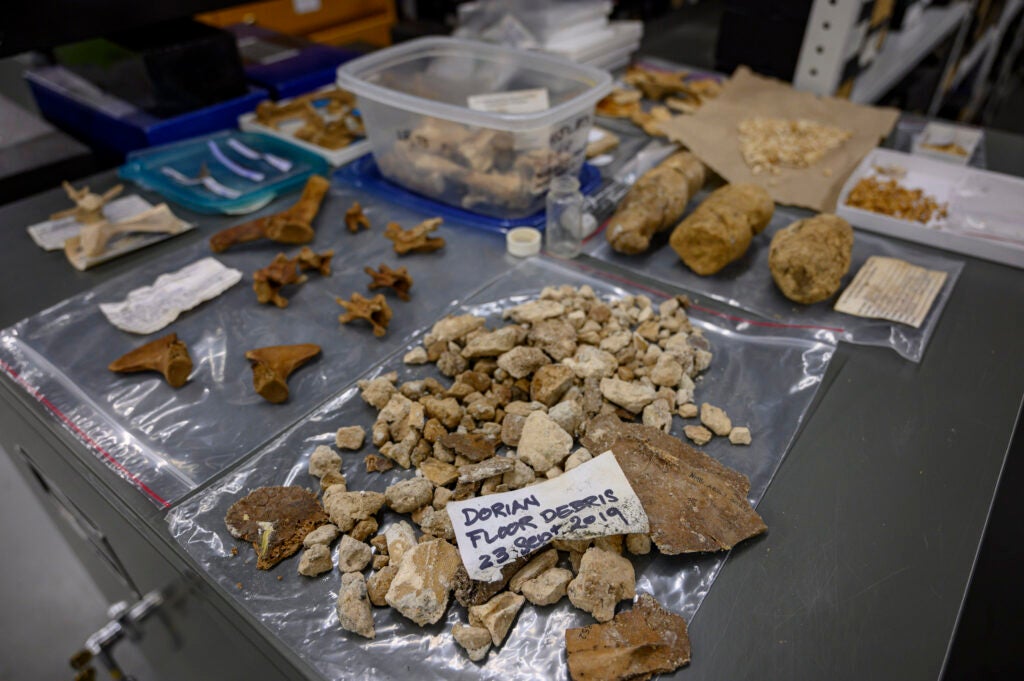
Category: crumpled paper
<point>713,135</point>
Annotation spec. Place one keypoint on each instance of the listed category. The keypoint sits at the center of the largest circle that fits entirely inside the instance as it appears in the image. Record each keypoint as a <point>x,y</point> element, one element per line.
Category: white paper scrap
<point>511,102</point>
<point>888,288</point>
<point>151,308</point>
<point>51,234</point>
<point>592,500</point>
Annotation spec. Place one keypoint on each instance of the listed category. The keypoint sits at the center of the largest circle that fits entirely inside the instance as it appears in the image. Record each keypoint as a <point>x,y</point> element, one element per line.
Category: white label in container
<point>592,500</point>
<point>511,102</point>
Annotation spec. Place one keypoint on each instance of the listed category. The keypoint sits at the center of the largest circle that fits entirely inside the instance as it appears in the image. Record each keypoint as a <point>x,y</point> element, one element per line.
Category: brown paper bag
<point>713,135</point>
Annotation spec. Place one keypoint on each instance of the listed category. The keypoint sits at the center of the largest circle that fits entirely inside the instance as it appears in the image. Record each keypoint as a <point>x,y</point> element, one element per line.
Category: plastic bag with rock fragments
<point>764,377</point>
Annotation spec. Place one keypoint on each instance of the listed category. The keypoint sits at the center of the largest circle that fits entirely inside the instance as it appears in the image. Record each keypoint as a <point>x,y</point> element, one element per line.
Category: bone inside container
<point>474,125</point>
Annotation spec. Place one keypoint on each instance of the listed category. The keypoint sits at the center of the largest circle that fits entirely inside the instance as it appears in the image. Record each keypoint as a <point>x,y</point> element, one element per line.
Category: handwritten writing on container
<point>592,500</point>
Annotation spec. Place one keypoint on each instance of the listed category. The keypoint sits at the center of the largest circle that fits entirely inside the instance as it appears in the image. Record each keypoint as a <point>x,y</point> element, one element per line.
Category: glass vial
<point>563,236</point>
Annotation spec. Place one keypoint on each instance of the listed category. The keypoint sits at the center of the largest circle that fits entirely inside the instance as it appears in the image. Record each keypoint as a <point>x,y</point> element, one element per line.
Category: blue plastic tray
<point>187,157</point>
<point>363,173</point>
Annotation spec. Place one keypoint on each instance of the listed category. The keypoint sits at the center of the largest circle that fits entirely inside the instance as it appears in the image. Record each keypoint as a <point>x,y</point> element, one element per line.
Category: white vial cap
<point>523,242</point>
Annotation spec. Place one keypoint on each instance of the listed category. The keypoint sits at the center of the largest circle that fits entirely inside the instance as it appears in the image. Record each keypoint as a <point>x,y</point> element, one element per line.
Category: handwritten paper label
<point>511,102</point>
<point>592,500</point>
<point>887,288</point>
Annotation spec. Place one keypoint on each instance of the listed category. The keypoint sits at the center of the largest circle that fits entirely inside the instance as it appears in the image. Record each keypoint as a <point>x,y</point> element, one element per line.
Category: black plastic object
<point>742,31</point>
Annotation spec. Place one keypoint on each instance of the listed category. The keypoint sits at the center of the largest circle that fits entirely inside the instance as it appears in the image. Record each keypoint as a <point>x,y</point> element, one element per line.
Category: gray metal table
<point>876,515</point>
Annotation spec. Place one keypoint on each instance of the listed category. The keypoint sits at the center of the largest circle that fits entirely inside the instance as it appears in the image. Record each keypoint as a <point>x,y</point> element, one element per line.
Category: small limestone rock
<point>684,391</point>
<point>658,415</point>
<point>423,583</point>
<point>632,397</point>
<point>408,495</point>
<point>534,311</point>
<point>739,435</point>
<point>699,434</point>
<point>456,328</point>
<point>324,460</point>
<point>381,560</point>
<point>446,410</point>
<point>547,588</point>
<point>364,529</point>
<point>354,606</point>
<point>550,382</point>
<point>497,465</point>
<point>325,535</point>
<point>603,580</point>
<point>638,544</point>
<point>378,391</point>
<point>400,537</point>
<point>520,476</point>
<point>347,508</point>
<point>512,429</point>
<point>353,555</point>
<point>688,410</point>
<point>577,458</point>
<point>522,361</point>
<point>543,443</point>
<point>497,615</point>
<point>542,562</point>
<point>591,362</point>
<point>315,560</point>
<point>494,343</point>
<point>715,419</point>
<point>350,437</point>
<point>667,371</point>
<point>556,337</point>
<point>332,478</point>
<point>438,472</point>
<point>379,582</point>
<point>553,472</point>
<point>442,495</point>
<point>418,355</point>
<point>475,640</point>
<point>568,414</point>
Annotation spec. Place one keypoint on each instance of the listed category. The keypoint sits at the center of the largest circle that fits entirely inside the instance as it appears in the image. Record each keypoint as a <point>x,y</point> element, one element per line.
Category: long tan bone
<point>88,206</point>
<point>168,356</point>
<point>374,310</point>
<point>93,238</point>
<point>291,226</point>
<point>272,365</point>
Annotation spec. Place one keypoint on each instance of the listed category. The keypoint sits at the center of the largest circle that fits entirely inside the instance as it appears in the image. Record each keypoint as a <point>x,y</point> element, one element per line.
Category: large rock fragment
<point>420,588</point>
<point>604,579</point>
<point>275,520</point>
<point>637,644</point>
<point>632,397</point>
<point>693,502</point>
<point>348,508</point>
<point>354,606</point>
<point>543,444</point>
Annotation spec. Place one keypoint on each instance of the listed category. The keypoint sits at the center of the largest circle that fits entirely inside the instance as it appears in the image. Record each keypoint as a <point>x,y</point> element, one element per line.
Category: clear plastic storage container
<point>474,125</point>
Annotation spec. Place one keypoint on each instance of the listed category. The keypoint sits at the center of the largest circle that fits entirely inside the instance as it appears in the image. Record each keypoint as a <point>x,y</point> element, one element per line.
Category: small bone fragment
<point>416,239</point>
<point>168,356</point>
<point>268,281</point>
<point>637,644</point>
<point>271,367</point>
<point>355,218</point>
<point>384,277</point>
<point>475,640</point>
<point>374,310</point>
<point>315,560</point>
<point>739,435</point>
<point>350,437</point>
<point>308,259</point>
<point>291,226</point>
<point>88,208</point>
<point>603,580</point>
<point>354,606</point>
<point>497,615</point>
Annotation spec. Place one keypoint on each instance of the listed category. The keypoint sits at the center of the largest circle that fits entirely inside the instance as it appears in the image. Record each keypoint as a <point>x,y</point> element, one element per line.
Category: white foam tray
<point>1002,195</point>
<point>336,157</point>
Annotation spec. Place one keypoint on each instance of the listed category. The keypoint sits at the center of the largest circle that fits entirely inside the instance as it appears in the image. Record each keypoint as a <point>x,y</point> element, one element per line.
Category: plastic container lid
<point>523,242</point>
<point>435,76</point>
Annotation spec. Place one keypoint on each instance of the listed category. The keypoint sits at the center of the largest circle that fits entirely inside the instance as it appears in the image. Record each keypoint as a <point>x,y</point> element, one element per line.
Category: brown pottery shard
<point>385,277</point>
<point>415,239</point>
<point>272,365</point>
<point>275,520</point>
<point>291,226</point>
<point>637,644</point>
<point>167,355</point>
<point>374,310</point>
<point>693,502</point>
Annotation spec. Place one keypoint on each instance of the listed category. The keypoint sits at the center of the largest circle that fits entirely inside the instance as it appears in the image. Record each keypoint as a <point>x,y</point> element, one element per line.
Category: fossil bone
<point>385,277</point>
<point>355,218</point>
<point>272,365</point>
<point>374,310</point>
<point>88,206</point>
<point>167,355</point>
<point>282,271</point>
<point>291,226</point>
<point>93,238</point>
<point>415,239</point>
